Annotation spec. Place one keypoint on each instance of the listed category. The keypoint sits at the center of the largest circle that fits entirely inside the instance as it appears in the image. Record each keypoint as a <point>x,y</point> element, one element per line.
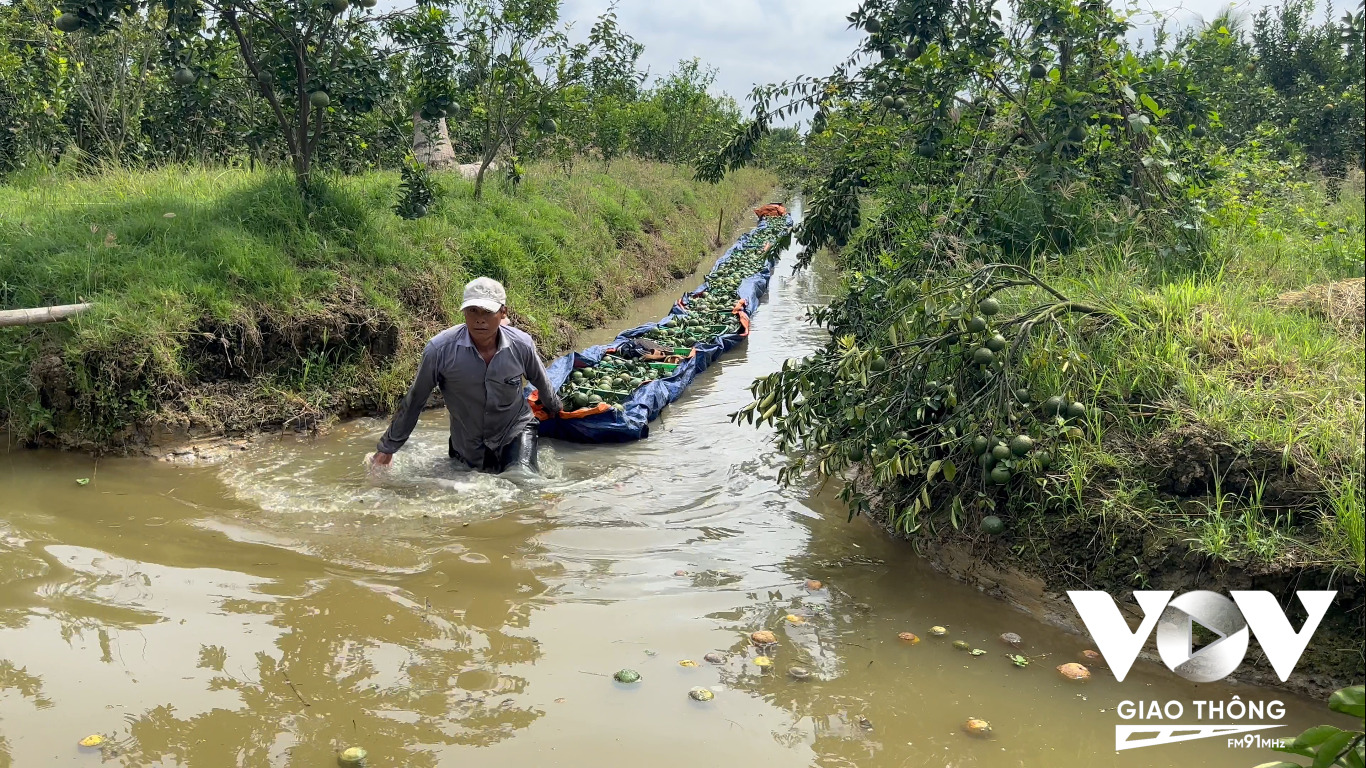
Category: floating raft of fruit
<point>611,396</point>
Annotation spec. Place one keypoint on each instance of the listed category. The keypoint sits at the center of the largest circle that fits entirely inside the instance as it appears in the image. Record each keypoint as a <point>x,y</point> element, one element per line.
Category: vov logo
<point>1253,612</point>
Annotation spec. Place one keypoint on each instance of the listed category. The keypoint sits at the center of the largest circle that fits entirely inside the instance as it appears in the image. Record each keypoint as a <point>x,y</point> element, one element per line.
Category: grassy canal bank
<point>226,305</point>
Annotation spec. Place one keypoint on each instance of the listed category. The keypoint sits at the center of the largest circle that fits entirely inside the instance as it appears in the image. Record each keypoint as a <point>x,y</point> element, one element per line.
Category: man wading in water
<point>481,368</point>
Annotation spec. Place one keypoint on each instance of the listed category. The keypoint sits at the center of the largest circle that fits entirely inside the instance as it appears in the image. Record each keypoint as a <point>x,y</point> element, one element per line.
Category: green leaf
<point>950,471</point>
<point>1315,736</point>
<point>1328,750</point>
<point>82,481</point>
<point>934,470</point>
<point>1349,701</point>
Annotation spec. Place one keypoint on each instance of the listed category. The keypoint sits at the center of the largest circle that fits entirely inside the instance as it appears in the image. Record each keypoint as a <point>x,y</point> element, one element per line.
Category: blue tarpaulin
<point>632,422</point>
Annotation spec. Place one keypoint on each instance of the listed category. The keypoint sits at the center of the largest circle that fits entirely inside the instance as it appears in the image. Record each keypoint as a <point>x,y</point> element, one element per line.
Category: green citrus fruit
<point>986,461</point>
<point>873,25</point>
<point>338,6</point>
<point>899,103</point>
<point>319,99</point>
<point>1021,444</point>
<point>1076,134</point>
<point>1000,475</point>
<point>1022,395</point>
<point>419,211</point>
<point>1054,406</point>
<point>996,343</point>
<point>1198,132</point>
<point>992,525</point>
<point>1043,459</point>
<point>1000,451</point>
<point>68,22</point>
<point>980,445</point>
<point>1038,71</point>
<point>1076,411</point>
<point>878,364</point>
<point>887,102</point>
<point>989,306</point>
<point>924,149</point>
<point>183,76</point>
<point>983,356</point>
<point>977,325</point>
<point>856,453</point>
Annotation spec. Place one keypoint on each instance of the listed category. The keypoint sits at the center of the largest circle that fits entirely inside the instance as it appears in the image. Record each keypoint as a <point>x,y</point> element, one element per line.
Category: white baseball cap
<point>485,293</point>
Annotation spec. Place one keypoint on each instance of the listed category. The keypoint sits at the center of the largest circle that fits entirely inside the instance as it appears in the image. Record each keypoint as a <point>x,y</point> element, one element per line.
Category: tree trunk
<point>432,143</point>
<point>479,177</point>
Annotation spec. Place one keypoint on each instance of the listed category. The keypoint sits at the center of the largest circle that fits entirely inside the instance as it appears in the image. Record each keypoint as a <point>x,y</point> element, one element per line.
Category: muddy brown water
<point>276,607</point>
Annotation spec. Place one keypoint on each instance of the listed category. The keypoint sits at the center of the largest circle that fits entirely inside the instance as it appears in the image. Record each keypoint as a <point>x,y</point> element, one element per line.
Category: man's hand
<point>381,459</point>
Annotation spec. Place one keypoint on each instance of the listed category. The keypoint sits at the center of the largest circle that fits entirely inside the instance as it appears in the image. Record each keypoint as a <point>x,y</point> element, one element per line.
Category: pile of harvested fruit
<point>611,381</point>
<point>710,313</point>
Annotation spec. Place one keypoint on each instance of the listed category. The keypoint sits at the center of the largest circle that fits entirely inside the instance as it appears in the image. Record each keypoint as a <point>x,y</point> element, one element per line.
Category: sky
<point>768,41</point>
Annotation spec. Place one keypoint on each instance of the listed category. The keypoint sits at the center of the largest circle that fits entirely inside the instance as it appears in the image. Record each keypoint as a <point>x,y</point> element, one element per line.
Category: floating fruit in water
<point>813,584</point>
<point>1021,444</point>
<point>1090,655</point>
<point>938,631</point>
<point>1010,638</point>
<point>687,663</point>
<point>1074,671</point>
<point>93,740</point>
<point>701,694</point>
<point>977,652</point>
<point>763,661</point>
<point>961,645</point>
<point>763,637</point>
<point>627,676</point>
<point>794,619</point>
<point>798,673</point>
<point>908,637</point>
<point>352,757</point>
<point>680,572</point>
<point>714,658</point>
<point>976,727</point>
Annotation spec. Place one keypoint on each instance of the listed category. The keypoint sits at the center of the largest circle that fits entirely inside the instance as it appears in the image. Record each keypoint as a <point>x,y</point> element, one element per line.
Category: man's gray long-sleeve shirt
<point>485,402</point>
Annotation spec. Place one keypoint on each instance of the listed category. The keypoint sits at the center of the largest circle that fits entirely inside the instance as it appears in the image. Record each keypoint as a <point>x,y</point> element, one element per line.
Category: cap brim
<point>488,305</point>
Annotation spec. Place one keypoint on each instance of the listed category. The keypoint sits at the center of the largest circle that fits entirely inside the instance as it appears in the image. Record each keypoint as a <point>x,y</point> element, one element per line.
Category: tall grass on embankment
<point>1228,407</point>
<point>226,303</point>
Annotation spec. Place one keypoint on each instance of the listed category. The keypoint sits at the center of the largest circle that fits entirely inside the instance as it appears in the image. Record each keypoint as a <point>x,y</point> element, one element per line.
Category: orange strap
<point>539,412</point>
<point>739,311</point>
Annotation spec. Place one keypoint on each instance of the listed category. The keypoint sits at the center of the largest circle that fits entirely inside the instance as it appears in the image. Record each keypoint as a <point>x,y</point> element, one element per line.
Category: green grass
<point>1208,349</point>
<point>168,254</point>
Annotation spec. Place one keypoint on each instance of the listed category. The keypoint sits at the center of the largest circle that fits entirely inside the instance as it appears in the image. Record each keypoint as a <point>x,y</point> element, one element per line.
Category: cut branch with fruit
<point>935,402</point>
